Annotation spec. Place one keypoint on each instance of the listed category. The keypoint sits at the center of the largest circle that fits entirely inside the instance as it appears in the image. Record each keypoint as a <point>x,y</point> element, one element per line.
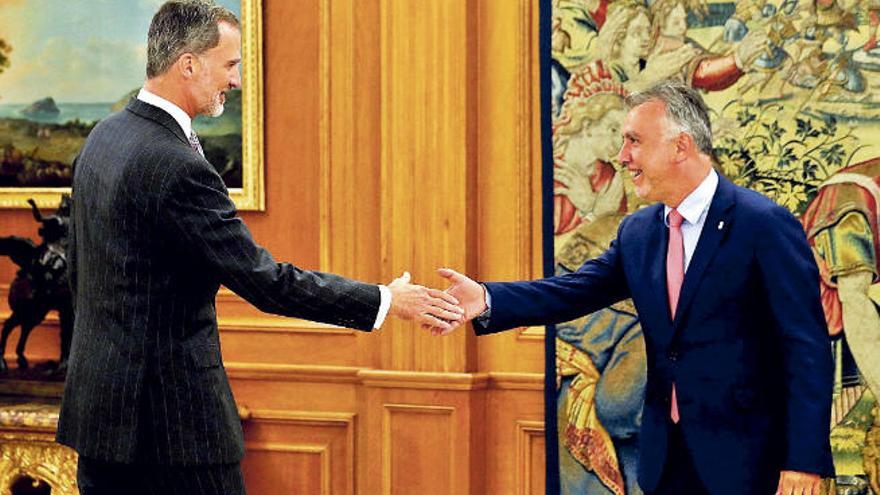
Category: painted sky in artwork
<point>76,51</point>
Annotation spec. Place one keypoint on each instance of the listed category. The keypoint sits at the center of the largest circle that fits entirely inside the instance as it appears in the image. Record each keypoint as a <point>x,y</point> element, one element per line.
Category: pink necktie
<point>674,279</point>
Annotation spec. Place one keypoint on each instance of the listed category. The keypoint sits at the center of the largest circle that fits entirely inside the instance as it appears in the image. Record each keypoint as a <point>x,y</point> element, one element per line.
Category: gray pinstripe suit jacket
<point>153,235</point>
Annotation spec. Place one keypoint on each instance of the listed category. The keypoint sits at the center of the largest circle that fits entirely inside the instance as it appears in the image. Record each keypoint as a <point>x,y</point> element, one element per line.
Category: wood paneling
<point>427,174</point>
<point>418,445</point>
<point>423,432</point>
<point>509,167</point>
<point>529,466</point>
<point>317,456</point>
<point>400,135</point>
<point>514,464</point>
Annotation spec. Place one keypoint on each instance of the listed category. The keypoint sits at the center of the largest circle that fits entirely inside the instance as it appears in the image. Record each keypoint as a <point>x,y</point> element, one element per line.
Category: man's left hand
<point>798,483</point>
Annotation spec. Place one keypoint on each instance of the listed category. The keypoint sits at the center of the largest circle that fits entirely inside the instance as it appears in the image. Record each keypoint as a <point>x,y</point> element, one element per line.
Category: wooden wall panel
<point>423,432</point>
<point>316,457</point>
<point>530,463</point>
<point>419,444</point>
<point>514,431</point>
<point>293,468</point>
<point>349,126</point>
<point>427,204</point>
<point>509,168</point>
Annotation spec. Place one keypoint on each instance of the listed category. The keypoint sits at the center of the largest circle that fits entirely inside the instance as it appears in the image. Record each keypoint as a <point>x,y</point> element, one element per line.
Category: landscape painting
<point>64,65</point>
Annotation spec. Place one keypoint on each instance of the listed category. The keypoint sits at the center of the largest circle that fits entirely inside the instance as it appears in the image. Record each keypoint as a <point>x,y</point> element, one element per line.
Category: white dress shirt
<point>185,122</point>
<point>694,209</point>
<point>175,111</point>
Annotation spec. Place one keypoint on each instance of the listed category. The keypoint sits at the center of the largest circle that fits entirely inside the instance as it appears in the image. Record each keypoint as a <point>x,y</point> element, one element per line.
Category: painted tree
<point>5,48</point>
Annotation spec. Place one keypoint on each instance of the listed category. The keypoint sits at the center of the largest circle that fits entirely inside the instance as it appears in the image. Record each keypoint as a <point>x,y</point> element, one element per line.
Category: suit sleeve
<point>791,285</point>
<point>598,283</point>
<point>196,211</point>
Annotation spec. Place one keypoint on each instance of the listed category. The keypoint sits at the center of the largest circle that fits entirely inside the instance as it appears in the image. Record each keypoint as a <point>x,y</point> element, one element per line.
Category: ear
<point>186,65</point>
<point>684,143</point>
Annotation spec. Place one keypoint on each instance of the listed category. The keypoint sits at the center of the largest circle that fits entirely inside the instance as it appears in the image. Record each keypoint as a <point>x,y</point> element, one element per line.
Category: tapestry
<point>792,87</point>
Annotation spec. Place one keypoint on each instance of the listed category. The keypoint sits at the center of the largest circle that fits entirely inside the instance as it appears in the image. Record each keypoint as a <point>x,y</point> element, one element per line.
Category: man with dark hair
<point>738,359</point>
<point>147,403</point>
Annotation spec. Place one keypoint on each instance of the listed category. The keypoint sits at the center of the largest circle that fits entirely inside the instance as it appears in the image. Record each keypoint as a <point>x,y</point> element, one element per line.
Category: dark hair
<point>183,26</point>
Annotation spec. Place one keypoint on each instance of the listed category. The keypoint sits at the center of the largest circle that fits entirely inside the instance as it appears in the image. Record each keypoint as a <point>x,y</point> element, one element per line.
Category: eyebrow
<point>631,135</point>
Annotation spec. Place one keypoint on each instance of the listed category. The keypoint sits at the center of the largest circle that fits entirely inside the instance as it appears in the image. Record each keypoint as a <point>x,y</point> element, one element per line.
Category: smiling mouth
<point>635,173</point>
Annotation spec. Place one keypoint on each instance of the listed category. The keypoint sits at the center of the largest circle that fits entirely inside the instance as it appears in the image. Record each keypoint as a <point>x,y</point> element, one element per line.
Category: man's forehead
<point>630,124</point>
<point>645,115</point>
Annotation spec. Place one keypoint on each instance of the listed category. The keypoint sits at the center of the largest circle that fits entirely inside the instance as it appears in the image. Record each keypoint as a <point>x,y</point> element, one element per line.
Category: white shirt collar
<point>175,111</point>
<point>698,201</point>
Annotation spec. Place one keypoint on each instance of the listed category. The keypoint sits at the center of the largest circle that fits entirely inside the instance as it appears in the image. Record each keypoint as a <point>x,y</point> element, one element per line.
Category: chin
<point>643,193</point>
<point>215,109</point>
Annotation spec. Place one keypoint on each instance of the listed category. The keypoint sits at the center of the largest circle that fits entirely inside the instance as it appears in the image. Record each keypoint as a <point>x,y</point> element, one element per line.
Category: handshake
<point>441,312</point>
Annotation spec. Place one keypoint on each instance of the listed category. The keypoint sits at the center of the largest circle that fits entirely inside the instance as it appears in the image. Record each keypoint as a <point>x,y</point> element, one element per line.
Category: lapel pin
<point>721,225</point>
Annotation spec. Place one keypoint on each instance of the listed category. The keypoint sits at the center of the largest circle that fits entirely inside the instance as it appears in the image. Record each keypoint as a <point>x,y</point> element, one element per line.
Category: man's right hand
<point>428,307</point>
<point>471,297</point>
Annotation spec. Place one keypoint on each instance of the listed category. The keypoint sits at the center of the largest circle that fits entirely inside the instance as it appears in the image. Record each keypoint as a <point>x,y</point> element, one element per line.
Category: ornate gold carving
<point>39,457</point>
<point>30,415</point>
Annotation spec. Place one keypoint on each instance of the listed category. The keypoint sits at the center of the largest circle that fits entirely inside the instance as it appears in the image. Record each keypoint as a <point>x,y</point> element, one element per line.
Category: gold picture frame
<point>251,195</point>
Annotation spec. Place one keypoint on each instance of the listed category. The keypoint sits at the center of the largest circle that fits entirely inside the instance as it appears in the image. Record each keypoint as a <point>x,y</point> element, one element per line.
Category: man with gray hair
<point>147,403</point>
<point>739,365</point>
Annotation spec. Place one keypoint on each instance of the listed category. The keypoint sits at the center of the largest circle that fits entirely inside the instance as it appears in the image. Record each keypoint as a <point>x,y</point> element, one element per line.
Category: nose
<point>235,80</point>
<point>623,155</point>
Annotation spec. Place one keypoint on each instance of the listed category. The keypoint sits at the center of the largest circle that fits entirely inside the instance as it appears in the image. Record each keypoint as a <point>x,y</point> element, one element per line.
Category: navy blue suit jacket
<point>748,349</point>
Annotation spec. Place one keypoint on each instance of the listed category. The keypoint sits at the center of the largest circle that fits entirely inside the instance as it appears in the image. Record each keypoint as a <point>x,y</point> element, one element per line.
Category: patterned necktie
<point>674,279</point>
<point>195,144</point>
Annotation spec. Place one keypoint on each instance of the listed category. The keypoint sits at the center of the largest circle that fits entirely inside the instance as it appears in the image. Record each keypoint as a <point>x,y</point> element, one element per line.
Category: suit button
<point>672,355</point>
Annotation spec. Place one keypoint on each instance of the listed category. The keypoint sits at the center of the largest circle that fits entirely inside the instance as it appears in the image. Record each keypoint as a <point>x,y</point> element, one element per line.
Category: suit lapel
<point>653,238</point>
<point>658,250</point>
<point>718,222</point>
<point>157,115</point>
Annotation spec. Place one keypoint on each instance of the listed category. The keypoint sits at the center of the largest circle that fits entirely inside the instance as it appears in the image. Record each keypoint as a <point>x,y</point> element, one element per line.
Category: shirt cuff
<point>483,318</point>
<point>384,306</point>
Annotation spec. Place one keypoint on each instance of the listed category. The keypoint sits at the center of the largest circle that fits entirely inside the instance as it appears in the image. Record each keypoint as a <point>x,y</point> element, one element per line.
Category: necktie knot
<point>194,143</point>
<point>675,218</point>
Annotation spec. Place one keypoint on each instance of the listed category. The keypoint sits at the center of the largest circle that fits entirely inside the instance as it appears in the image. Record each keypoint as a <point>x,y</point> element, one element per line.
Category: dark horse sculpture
<point>41,283</point>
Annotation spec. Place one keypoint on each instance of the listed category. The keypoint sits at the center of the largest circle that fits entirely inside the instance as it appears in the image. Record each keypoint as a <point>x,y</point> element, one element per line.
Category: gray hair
<point>183,26</point>
<point>685,110</point>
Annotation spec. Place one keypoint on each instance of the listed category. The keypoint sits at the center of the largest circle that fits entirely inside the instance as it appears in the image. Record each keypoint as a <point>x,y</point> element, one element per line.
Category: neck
<point>161,86</point>
<point>693,174</point>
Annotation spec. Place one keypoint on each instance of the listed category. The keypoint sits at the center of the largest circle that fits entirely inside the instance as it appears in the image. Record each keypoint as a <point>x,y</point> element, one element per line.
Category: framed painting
<point>65,65</point>
<point>792,88</point>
